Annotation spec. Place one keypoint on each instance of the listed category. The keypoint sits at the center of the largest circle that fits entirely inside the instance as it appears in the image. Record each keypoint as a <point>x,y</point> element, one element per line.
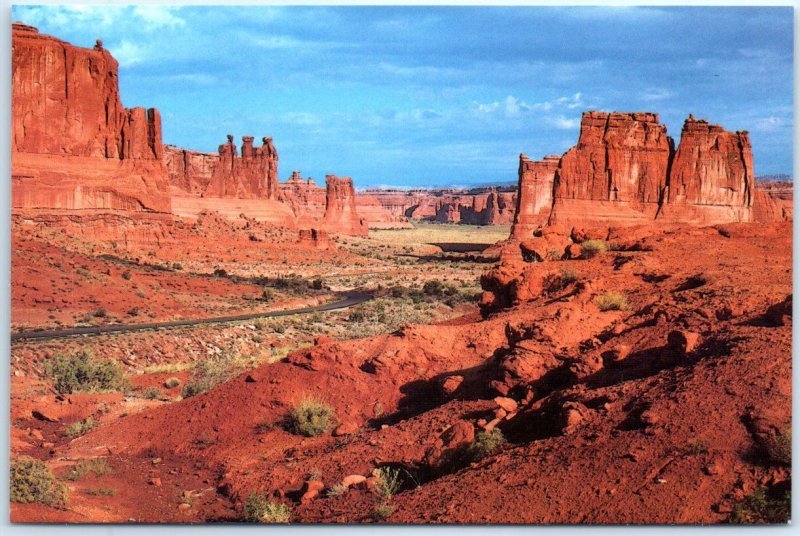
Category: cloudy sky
<point>438,96</point>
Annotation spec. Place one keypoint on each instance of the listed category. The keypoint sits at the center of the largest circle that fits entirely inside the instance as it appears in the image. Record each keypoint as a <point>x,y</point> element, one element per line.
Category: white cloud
<point>770,124</point>
<point>128,53</point>
<point>563,123</point>
<point>657,94</point>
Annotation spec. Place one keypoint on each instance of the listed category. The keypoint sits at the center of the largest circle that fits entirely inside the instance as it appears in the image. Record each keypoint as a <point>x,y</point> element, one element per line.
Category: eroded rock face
<point>711,175</point>
<point>616,172</point>
<point>534,194</point>
<point>189,171</point>
<point>74,146</point>
<point>341,215</point>
<point>253,175</point>
<point>625,171</point>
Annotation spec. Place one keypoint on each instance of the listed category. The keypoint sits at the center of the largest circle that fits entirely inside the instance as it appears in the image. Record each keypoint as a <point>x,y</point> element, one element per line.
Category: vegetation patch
<point>485,443</point>
<point>83,372</point>
<point>612,301</point>
<point>779,447</point>
<point>78,428</point>
<point>259,509</point>
<point>591,248</point>
<point>31,481</point>
<point>763,507</point>
<point>312,417</point>
<point>88,466</point>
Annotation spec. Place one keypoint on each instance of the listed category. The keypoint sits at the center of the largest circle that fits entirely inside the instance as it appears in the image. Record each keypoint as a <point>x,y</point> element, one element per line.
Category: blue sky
<point>434,96</point>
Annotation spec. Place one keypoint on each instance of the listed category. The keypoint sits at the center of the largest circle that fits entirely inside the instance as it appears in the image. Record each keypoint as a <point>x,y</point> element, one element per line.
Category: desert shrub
<point>779,447</point>
<point>108,492</point>
<point>760,508</point>
<point>389,482</point>
<point>126,275</point>
<point>485,443</point>
<point>211,372</point>
<point>220,272</point>
<point>172,382</point>
<point>267,295</point>
<point>382,511</point>
<point>337,490</point>
<point>611,301</point>
<point>95,466</point>
<point>555,282</point>
<point>312,417</point>
<point>553,255</point>
<point>100,313</point>
<point>590,248</point>
<point>259,509</point>
<point>78,428</point>
<point>82,372</point>
<point>317,284</point>
<point>433,287</point>
<point>31,481</point>
<point>153,393</point>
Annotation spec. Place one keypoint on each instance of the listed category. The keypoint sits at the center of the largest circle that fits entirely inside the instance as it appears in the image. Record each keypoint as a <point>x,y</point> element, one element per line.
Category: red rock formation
<point>534,194</point>
<point>189,171</point>
<point>481,208</point>
<point>616,172</point>
<point>73,144</point>
<point>377,215</point>
<point>315,238</point>
<point>341,215</point>
<point>769,207</point>
<point>711,179</point>
<point>253,175</point>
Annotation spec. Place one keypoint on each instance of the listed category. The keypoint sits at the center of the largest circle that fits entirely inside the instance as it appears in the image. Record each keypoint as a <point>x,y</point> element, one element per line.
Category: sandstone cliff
<point>625,171</point>
<point>534,194</point>
<point>711,178</point>
<point>341,215</point>
<point>253,175</point>
<point>189,171</point>
<point>616,172</point>
<point>74,146</point>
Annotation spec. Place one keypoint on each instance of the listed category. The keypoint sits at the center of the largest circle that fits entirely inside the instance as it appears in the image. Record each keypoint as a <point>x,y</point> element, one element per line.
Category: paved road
<point>349,299</point>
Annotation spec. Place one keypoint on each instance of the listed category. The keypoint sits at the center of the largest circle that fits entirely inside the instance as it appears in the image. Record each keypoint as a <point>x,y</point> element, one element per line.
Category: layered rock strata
<point>74,146</point>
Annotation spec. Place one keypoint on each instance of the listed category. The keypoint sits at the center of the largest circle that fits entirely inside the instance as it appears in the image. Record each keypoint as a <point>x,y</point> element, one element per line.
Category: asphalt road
<point>349,299</point>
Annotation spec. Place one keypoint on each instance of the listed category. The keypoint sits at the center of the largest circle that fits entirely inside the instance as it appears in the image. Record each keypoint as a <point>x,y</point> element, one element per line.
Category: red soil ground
<point>614,423</point>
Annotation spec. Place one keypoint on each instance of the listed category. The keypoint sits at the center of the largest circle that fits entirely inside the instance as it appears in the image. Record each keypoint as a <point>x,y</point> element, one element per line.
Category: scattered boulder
<point>682,342</point>
<point>451,383</point>
<point>780,314</point>
<point>449,449</point>
<point>508,404</point>
<point>311,489</point>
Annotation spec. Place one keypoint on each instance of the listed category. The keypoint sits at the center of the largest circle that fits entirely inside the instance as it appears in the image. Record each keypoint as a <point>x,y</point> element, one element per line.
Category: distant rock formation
<point>253,175</point>
<point>74,146</point>
<point>341,215</point>
<point>711,178</point>
<point>486,208</point>
<point>625,171</point>
<point>189,171</point>
<point>616,172</point>
<point>534,195</point>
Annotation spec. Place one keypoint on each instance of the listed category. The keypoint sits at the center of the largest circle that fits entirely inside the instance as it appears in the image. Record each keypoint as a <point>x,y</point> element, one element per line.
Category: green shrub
<point>79,428</point>
<point>82,372</point>
<point>172,382</point>
<point>31,481</point>
<point>590,248</point>
<point>259,509</point>
<point>611,301</point>
<point>108,492</point>
<point>433,288</point>
<point>760,508</point>
<point>779,447</point>
<point>382,511</point>
<point>209,373</point>
<point>95,466</point>
<point>337,490</point>
<point>388,483</point>
<point>312,417</point>
<point>485,443</point>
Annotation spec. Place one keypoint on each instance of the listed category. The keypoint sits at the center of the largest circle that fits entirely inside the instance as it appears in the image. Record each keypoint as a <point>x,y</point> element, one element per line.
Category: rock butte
<point>74,146</point>
<point>625,171</point>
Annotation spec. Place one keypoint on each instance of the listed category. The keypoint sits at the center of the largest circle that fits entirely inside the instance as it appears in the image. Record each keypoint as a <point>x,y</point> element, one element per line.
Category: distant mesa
<point>75,147</point>
<point>625,170</point>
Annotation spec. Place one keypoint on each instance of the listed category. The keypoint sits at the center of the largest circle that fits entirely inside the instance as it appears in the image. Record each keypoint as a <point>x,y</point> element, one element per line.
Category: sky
<point>438,96</point>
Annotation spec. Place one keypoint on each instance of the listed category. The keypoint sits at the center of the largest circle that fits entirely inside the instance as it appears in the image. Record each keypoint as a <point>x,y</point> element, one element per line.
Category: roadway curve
<point>349,299</point>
